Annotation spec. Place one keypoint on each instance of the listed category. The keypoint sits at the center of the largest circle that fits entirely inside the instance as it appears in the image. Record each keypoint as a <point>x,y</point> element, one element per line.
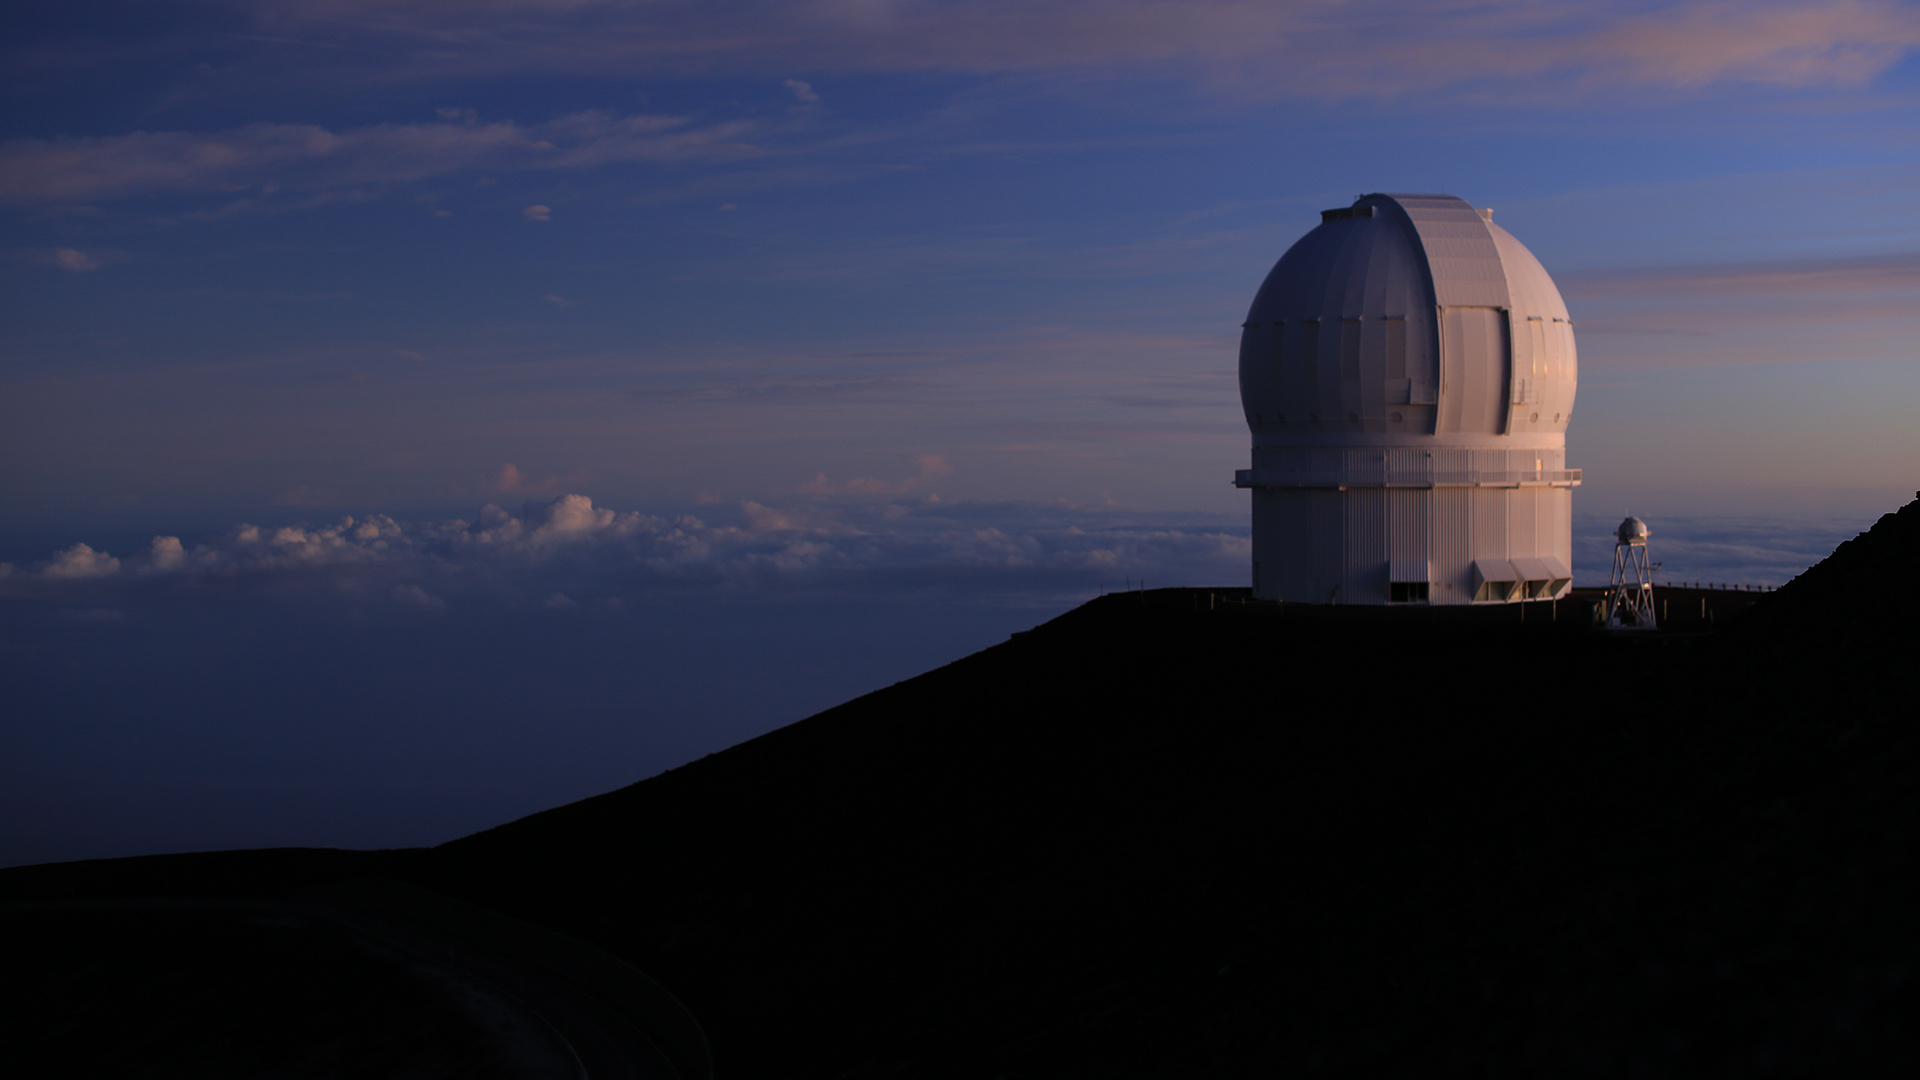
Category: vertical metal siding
<point>1557,524</point>
<point>1523,518</point>
<point>1283,542</point>
<point>1490,524</point>
<point>1452,546</point>
<point>1364,573</point>
<point>1407,531</point>
<point>1328,518</point>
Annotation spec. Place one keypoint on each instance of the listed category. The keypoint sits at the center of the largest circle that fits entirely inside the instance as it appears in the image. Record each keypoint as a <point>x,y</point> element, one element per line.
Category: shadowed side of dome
<point>1341,332</point>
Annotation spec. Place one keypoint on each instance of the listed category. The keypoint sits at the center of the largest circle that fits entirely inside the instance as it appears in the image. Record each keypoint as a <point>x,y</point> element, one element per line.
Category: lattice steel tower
<point>1629,603</point>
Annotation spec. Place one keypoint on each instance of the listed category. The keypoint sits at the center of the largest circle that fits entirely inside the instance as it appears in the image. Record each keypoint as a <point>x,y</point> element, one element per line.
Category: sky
<point>419,413</point>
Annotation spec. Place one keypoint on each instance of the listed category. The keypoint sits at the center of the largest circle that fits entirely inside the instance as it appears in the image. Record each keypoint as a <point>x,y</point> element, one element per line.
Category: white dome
<point>1407,316</point>
<point>1408,372</point>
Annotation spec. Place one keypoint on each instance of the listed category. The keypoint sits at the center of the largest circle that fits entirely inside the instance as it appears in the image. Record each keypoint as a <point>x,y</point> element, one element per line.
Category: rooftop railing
<point>1362,477</point>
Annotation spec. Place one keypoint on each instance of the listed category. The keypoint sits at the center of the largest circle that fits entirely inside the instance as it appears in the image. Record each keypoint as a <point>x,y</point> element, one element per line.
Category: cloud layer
<point>1730,550</point>
<point>1760,312</point>
<point>566,554</point>
<point>563,553</point>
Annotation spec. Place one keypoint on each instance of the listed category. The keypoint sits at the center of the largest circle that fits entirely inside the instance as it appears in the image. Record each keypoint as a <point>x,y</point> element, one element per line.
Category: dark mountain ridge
<point>1174,833</point>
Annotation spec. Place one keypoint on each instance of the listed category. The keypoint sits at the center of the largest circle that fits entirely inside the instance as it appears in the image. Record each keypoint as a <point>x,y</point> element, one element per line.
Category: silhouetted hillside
<point>1853,598</point>
<point>1175,833</point>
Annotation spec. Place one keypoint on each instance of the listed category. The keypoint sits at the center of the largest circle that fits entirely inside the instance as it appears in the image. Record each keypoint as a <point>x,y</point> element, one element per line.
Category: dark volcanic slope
<point>1149,838</point>
<point>1155,837</point>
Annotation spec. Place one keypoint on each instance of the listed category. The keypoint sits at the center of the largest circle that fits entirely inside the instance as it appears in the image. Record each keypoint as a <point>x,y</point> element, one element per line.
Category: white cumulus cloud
<point>166,553</point>
<point>81,561</point>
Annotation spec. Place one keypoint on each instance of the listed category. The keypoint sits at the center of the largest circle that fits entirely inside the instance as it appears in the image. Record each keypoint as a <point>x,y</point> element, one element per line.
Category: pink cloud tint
<point>309,158</point>
<point>1313,47</point>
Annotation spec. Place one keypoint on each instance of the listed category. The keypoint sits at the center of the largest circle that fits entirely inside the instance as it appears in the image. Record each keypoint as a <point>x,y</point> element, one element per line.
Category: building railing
<point>1408,478</point>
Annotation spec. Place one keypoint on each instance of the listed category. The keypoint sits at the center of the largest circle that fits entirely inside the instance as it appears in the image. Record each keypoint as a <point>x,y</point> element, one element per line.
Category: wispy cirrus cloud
<point>1849,276</point>
<point>306,158</point>
<point>1547,55</point>
<point>932,467</point>
<point>1756,312</point>
<point>1312,47</point>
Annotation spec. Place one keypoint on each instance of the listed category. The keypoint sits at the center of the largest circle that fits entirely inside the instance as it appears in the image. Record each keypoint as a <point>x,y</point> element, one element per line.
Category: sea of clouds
<point>567,552</point>
<point>370,681</point>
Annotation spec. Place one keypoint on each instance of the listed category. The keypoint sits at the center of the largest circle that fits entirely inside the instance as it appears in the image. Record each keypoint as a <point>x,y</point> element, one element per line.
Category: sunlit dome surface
<point>1346,333</point>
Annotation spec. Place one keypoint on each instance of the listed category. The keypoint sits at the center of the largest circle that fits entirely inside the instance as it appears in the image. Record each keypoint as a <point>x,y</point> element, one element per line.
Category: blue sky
<point>930,305</point>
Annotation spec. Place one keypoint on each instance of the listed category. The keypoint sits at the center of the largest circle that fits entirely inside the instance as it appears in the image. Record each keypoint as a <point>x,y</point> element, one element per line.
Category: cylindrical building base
<point>1385,545</point>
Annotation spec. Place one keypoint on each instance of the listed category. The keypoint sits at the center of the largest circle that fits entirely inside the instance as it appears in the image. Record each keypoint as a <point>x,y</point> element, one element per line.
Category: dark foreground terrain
<point>1166,834</point>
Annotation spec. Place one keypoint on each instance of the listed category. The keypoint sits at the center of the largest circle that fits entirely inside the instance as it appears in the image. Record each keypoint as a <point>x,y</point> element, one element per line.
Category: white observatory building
<point>1408,372</point>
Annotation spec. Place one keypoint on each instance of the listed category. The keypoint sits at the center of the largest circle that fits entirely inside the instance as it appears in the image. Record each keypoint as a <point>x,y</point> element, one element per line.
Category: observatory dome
<point>1401,315</point>
<point>1408,373</point>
